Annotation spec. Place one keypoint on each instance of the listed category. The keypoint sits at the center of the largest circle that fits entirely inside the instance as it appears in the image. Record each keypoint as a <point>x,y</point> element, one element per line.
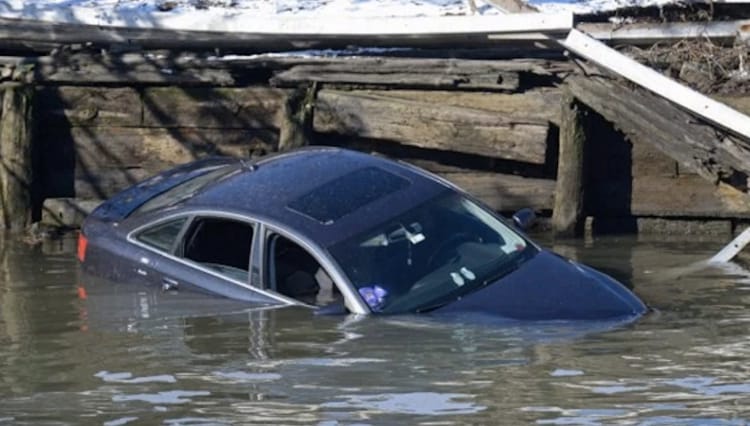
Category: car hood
<point>550,287</point>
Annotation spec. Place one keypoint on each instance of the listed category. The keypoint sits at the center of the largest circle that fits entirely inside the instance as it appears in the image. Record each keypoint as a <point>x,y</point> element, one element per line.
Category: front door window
<point>220,244</point>
<point>294,272</point>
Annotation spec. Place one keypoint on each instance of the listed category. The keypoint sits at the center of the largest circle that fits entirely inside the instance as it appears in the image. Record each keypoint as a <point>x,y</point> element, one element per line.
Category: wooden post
<point>568,208</point>
<point>296,122</point>
<point>16,125</point>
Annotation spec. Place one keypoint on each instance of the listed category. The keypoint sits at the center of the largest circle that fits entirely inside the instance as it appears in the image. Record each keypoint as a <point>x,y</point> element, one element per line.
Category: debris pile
<point>700,63</point>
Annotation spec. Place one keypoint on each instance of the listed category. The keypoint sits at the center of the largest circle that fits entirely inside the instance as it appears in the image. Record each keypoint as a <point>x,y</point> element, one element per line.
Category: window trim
<point>178,237</point>
<point>352,300</point>
<point>187,262</point>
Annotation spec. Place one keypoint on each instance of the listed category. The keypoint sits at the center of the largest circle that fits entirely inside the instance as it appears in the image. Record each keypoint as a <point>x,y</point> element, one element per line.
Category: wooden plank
<point>441,162</point>
<point>296,115</point>
<point>428,125</point>
<point>506,193</point>
<point>105,184</point>
<point>645,117</point>
<point>399,73</point>
<point>682,196</point>
<point>105,70</point>
<point>695,102</point>
<point>740,103</point>
<point>532,106</point>
<point>96,162</point>
<point>16,131</point>
<point>191,69</point>
<point>644,33</point>
<point>89,106</point>
<point>221,108</point>
<point>647,160</point>
<point>67,212</point>
<point>319,26</point>
<point>733,248</point>
<point>252,33</point>
<point>155,149</point>
<point>567,213</point>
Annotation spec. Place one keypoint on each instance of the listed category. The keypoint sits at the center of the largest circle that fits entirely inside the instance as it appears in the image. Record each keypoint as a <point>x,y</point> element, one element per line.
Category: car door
<point>210,253</point>
<point>298,271</point>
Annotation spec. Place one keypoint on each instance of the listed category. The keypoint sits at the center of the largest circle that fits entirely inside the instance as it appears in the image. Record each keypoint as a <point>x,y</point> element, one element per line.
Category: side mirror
<point>524,219</point>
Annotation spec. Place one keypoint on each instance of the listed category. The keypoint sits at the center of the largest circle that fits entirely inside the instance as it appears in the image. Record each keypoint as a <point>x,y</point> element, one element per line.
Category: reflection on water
<point>76,350</point>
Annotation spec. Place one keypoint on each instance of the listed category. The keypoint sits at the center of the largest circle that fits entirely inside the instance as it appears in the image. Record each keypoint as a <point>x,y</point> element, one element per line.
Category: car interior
<point>220,244</point>
<point>295,273</point>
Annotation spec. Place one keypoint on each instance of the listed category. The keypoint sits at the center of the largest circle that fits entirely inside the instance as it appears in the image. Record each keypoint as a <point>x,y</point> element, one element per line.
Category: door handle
<point>168,284</point>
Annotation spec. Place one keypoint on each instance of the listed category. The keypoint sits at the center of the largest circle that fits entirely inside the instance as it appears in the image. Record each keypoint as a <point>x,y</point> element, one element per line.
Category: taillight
<point>82,245</point>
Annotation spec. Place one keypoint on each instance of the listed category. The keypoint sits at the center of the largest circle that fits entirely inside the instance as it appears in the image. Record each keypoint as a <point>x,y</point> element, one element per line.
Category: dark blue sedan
<point>337,231</point>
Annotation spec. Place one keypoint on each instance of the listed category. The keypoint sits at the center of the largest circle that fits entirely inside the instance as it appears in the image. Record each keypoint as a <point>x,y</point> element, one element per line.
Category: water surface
<point>74,350</point>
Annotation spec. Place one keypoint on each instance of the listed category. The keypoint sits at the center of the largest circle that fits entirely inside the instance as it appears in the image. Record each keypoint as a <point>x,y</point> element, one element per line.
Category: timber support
<point>296,118</point>
<point>568,208</point>
<point>16,132</point>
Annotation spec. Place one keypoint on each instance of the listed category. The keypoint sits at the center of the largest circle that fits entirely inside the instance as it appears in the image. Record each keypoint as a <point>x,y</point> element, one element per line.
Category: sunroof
<point>343,195</point>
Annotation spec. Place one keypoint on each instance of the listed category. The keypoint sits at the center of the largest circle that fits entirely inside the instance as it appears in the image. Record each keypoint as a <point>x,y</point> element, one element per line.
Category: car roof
<point>321,193</point>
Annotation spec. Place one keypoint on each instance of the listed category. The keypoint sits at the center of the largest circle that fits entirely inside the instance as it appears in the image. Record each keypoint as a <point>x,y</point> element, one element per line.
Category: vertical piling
<point>568,208</point>
<point>296,122</point>
<point>16,128</point>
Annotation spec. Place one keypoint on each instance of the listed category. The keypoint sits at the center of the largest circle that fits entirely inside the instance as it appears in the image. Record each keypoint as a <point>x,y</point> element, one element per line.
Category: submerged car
<point>337,231</point>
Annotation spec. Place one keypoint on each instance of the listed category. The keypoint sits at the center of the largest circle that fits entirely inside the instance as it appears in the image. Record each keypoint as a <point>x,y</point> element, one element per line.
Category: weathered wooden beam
<point>110,72</point>
<point>506,193</point>
<point>381,115</point>
<point>189,69</point>
<point>697,103</point>
<point>96,162</point>
<point>648,33</point>
<point>407,73</point>
<point>67,212</point>
<point>16,136</point>
<point>221,108</point>
<point>296,118</point>
<point>234,108</point>
<point>89,106</point>
<point>252,34</point>
<point>663,196</point>
<point>567,215</point>
<point>646,117</point>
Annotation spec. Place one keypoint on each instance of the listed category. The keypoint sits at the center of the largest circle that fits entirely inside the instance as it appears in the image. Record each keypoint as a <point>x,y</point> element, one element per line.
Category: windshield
<point>430,255</point>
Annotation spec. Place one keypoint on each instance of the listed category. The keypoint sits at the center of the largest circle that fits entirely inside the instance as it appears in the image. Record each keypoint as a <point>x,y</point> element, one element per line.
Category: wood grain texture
<point>221,108</point>
<point>646,117</point>
<point>682,196</point>
<point>96,162</point>
<point>16,172</point>
<point>90,106</point>
<point>569,191</point>
<point>408,73</point>
<point>381,115</point>
<point>506,193</point>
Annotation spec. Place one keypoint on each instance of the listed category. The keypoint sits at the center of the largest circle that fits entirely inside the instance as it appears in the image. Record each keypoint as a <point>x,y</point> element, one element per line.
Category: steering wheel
<point>441,253</point>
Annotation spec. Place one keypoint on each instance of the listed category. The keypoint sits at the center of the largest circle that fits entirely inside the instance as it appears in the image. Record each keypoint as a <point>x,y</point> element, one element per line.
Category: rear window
<point>162,236</point>
<point>184,190</point>
<point>341,196</point>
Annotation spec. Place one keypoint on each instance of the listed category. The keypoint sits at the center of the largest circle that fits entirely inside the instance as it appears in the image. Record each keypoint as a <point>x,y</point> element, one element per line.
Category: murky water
<point>78,351</point>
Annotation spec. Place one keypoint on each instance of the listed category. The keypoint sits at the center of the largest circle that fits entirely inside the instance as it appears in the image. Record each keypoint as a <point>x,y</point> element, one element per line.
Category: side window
<point>220,244</point>
<point>295,273</point>
<point>163,235</point>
